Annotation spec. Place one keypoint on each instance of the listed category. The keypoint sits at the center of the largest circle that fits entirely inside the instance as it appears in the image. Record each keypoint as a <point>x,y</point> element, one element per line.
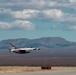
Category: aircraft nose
<point>39,49</point>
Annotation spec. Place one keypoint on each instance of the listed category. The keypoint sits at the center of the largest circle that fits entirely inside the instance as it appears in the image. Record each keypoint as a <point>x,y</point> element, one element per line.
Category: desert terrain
<point>18,69</point>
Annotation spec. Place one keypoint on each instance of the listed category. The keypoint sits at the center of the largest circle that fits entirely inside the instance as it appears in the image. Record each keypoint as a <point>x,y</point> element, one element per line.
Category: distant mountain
<point>56,50</point>
<point>44,43</point>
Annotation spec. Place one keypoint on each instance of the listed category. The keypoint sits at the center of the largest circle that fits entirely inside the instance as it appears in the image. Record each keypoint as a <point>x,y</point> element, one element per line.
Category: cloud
<point>50,15</point>
<point>33,4</point>
<point>56,27</point>
<point>37,4</point>
<point>42,15</point>
<point>72,1</point>
<point>37,10</point>
<point>25,14</point>
<point>18,24</point>
<point>31,14</point>
<point>53,14</point>
<point>26,4</point>
<point>63,27</point>
<point>72,27</point>
<point>5,25</point>
<point>5,13</point>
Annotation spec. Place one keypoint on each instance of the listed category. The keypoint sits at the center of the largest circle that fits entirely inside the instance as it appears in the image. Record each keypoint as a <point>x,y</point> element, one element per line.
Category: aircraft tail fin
<point>13,46</point>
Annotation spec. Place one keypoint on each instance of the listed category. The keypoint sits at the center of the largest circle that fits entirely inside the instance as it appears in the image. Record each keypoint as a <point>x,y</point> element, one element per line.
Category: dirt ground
<point>30,69</point>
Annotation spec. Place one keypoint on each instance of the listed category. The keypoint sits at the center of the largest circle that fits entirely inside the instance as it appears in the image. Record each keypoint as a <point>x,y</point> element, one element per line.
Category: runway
<point>63,72</point>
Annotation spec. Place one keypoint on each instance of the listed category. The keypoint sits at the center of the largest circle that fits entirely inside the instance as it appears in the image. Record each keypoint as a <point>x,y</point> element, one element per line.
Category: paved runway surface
<point>67,72</point>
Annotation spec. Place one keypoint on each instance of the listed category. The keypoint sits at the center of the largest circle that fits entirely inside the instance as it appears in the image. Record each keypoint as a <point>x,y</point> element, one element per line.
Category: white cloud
<point>72,1</point>
<point>18,24</point>
<point>48,14</point>
<point>43,10</point>
<point>34,4</point>
<point>2,10</point>
<point>25,14</point>
<point>32,14</point>
<point>24,25</point>
<point>52,14</point>
<point>27,4</point>
<point>63,27</point>
<point>5,25</point>
<point>72,27</point>
<point>5,13</point>
<point>56,27</point>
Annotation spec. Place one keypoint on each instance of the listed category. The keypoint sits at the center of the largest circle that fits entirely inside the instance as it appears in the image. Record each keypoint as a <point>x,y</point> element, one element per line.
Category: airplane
<point>22,50</point>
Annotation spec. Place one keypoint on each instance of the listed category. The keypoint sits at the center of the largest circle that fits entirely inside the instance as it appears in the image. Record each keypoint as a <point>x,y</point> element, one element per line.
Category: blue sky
<point>38,18</point>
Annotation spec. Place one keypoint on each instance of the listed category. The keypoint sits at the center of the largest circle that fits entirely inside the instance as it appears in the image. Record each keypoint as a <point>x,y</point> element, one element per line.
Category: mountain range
<point>44,43</point>
<point>54,51</point>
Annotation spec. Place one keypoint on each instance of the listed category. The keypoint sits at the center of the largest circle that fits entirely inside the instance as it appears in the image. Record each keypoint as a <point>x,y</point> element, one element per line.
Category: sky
<point>38,18</point>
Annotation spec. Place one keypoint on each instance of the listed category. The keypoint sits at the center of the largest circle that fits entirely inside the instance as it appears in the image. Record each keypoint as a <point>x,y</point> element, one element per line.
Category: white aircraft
<point>22,50</point>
